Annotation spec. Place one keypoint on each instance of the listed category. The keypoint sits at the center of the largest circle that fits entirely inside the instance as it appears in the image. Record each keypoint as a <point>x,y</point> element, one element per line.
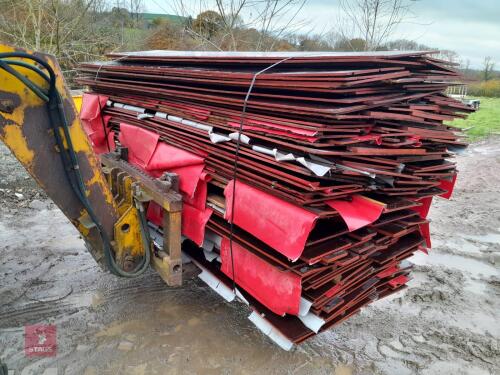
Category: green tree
<point>208,23</point>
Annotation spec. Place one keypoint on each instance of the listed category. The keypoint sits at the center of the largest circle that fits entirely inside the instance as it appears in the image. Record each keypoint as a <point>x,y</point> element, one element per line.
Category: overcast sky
<point>469,27</point>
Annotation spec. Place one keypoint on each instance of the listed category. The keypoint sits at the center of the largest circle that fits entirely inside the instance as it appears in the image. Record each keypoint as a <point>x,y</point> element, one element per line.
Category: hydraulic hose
<point>68,156</point>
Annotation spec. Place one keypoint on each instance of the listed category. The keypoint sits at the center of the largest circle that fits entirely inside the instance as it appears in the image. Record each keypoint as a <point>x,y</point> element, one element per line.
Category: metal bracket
<point>164,192</point>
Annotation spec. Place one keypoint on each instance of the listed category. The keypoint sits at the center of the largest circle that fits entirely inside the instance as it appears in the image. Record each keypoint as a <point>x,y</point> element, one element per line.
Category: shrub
<point>488,89</point>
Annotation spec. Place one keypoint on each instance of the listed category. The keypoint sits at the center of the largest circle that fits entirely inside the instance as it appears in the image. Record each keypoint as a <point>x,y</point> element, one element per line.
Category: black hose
<point>32,86</point>
<point>68,156</point>
<point>32,67</point>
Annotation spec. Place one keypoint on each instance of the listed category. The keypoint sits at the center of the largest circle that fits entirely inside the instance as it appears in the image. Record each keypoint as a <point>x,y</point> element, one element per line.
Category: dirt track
<point>446,322</point>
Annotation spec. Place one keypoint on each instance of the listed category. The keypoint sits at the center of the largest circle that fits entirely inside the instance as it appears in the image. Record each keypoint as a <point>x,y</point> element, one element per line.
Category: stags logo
<point>40,340</point>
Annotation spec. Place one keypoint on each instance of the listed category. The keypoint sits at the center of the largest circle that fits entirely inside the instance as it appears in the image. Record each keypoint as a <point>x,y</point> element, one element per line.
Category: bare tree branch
<point>373,21</point>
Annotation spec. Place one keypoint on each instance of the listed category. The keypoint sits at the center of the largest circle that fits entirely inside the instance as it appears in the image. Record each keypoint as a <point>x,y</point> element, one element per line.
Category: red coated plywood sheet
<point>281,225</point>
<point>448,185</point>
<point>157,157</point>
<point>262,280</point>
<point>95,124</point>
<point>357,212</point>
<point>194,220</point>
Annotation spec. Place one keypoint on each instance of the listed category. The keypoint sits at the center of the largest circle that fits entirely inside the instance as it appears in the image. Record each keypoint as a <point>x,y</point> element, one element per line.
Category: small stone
<point>125,346</point>
<point>37,205</point>
<point>19,195</point>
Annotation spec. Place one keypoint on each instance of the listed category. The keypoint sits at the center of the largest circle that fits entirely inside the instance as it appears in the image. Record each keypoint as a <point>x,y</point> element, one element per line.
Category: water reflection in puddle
<point>464,264</point>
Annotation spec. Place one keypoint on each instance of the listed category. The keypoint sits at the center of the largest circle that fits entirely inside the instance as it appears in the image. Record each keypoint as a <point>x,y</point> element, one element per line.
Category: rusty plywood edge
<point>25,129</point>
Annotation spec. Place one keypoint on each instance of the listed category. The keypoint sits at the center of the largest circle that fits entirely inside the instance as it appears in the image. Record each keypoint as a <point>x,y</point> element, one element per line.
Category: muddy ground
<point>446,322</point>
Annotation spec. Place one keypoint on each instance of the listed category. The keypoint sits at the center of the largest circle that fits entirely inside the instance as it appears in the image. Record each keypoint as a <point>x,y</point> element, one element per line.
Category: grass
<point>484,122</point>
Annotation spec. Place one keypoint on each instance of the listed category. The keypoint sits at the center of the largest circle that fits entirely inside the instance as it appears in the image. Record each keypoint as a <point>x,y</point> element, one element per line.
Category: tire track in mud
<point>418,350</point>
<point>31,313</point>
<point>19,313</point>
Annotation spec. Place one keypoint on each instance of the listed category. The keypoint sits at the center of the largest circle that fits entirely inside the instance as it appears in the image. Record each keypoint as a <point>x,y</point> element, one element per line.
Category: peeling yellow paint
<point>14,138</point>
<point>84,231</point>
<point>100,181</point>
<point>12,133</point>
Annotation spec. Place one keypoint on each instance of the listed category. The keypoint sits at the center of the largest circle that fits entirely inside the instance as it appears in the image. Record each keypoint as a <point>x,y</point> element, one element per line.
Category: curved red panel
<point>278,290</point>
<point>282,225</point>
<point>358,212</point>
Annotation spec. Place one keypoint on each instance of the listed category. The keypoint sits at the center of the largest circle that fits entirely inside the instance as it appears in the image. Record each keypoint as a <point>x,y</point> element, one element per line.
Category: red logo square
<point>40,340</point>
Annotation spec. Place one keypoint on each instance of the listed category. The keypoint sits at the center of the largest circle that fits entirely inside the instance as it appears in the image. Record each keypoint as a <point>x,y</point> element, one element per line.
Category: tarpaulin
<point>358,212</point>
<point>141,144</point>
<point>448,186</point>
<point>96,125</point>
<point>282,225</point>
<point>193,222</point>
<point>416,139</point>
<point>156,157</point>
<point>278,290</point>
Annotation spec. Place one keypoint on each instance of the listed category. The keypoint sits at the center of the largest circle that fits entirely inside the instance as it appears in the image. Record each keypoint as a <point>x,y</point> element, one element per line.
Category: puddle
<point>344,370</point>
<point>463,244</point>
<point>467,265</point>
<point>486,150</point>
<point>487,238</point>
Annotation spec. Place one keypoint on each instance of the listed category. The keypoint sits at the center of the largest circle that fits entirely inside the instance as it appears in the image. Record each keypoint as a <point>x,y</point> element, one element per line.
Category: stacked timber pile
<point>327,185</point>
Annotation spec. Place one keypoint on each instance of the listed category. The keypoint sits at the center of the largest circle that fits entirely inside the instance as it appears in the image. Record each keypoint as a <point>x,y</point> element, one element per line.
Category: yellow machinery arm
<point>103,198</point>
